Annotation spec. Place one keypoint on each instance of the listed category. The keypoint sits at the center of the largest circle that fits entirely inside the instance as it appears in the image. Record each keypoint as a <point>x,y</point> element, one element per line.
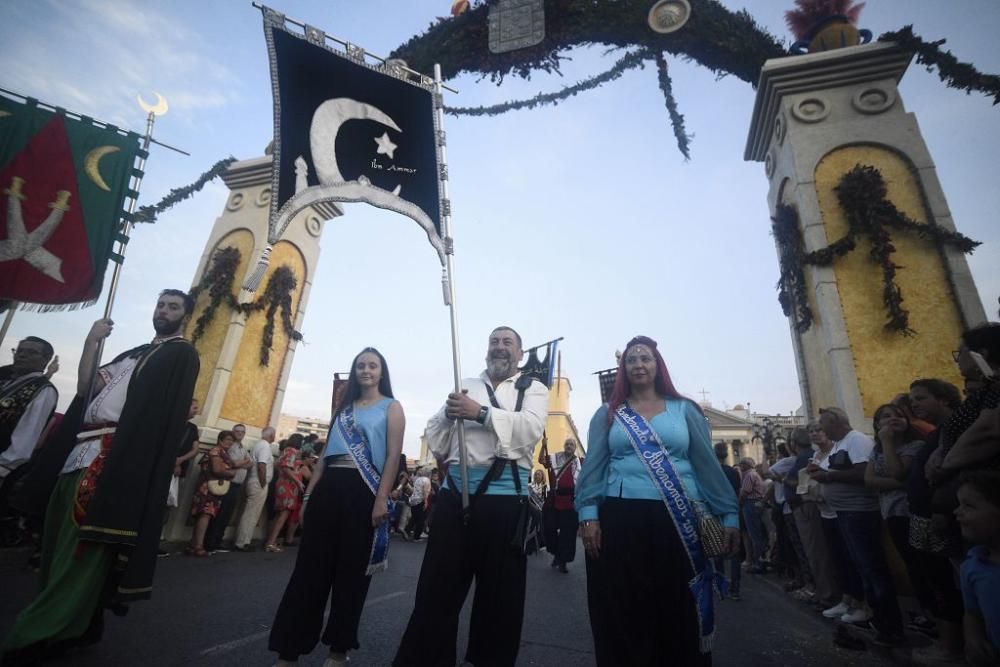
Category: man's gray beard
<point>499,368</point>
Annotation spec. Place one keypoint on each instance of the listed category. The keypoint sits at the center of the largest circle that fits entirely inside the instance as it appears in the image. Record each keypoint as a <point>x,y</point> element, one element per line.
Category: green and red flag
<point>63,183</point>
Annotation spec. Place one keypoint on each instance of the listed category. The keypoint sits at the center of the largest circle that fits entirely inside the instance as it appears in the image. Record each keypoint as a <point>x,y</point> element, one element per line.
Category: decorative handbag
<point>712,534</point>
<point>218,487</point>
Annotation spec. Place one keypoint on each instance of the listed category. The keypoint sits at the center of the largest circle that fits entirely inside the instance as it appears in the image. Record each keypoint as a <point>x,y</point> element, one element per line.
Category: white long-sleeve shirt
<point>29,428</point>
<point>506,434</point>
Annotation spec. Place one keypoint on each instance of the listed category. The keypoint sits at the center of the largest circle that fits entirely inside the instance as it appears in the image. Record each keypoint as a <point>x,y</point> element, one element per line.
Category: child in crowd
<point>978,515</point>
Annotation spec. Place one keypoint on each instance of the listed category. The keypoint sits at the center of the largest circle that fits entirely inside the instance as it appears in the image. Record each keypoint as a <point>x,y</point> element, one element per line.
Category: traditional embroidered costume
<point>108,481</point>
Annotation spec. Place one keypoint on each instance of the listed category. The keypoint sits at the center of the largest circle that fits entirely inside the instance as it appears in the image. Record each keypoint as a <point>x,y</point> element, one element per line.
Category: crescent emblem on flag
<point>325,127</point>
<point>91,165</point>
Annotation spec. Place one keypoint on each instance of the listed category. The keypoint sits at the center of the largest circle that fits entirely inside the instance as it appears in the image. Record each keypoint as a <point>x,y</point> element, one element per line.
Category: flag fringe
<point>55,307</point>
<point>254,280</point>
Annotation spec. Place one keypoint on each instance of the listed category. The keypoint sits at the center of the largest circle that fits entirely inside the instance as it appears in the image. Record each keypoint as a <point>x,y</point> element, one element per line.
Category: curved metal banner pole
<point>448,279</point>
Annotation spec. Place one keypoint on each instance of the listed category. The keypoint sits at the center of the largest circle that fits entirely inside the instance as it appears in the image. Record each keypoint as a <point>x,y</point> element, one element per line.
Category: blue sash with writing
<point>361,452</point>
<point>668,483</point>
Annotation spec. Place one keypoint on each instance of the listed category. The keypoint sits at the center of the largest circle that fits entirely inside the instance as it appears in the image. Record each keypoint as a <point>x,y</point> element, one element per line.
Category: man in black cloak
<point>104,476</point>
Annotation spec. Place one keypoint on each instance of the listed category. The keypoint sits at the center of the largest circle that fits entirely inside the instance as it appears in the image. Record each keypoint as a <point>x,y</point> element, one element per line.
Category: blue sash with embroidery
<point>361,452</point>
<point>668,483</point>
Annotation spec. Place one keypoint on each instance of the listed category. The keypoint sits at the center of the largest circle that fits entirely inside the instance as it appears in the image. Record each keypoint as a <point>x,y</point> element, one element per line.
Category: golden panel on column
<point>209,346</point>
<point>252,387</point>
<point>886,362</point>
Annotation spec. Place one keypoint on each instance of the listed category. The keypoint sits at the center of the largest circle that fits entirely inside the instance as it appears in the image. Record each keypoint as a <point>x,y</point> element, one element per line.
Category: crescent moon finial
<point>158,109</point>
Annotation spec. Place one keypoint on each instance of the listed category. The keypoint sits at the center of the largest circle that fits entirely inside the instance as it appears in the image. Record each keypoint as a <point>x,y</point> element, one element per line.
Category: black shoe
<point>563,568</point>
<point>243,550</point>
<point>555,562</point>
<point>162,553</point>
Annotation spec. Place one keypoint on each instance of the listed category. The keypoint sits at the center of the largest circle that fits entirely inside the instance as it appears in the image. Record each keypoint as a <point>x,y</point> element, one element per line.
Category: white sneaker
<point>335,662</point>
<point>836,611</point>
<point>859,615</point>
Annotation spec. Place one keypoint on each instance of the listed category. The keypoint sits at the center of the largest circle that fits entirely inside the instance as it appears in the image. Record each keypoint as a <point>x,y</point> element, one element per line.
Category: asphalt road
<point>217,611</point>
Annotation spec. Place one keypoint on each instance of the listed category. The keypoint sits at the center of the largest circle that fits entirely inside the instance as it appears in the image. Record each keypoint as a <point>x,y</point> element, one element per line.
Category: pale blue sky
<point>580,220</point>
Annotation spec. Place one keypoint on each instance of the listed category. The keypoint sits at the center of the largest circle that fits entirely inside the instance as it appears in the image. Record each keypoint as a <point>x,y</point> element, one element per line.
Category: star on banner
<point>385,146</point>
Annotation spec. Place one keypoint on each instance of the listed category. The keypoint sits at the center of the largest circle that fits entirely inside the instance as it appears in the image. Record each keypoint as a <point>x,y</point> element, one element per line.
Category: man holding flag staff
<point>504,414</point>
<point>114,454</point>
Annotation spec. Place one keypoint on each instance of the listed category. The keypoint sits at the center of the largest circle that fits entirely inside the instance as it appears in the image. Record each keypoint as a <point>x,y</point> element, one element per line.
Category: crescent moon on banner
<point>158,109</point>
<point>326,122</point>
<point>91,164</point>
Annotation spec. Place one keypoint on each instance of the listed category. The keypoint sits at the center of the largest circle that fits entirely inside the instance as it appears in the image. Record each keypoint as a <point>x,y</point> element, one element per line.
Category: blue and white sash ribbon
<point>361,452</point>
<point>668,483</point>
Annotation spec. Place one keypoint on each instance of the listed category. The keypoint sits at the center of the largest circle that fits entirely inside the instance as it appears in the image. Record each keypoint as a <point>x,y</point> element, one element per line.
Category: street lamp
<point>769,433</point>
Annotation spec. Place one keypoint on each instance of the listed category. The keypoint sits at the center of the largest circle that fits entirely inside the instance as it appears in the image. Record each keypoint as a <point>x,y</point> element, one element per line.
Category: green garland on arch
<point>627,62</point>
<point>277,294</point>
<point>950,69</point>
<point>862,194</point>
<point>219,280</point>
<point>148,214</point>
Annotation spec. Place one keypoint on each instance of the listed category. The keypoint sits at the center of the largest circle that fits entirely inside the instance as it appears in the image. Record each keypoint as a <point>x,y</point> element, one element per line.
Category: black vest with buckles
<point>15,396</point>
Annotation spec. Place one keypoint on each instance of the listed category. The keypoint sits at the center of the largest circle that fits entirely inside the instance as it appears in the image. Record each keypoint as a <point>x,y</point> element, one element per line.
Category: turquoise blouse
<point>372,421</point>
<point>612,469</point>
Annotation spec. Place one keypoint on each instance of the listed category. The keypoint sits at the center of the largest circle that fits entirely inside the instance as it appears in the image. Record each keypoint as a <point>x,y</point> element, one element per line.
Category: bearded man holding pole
<point>503,413</point>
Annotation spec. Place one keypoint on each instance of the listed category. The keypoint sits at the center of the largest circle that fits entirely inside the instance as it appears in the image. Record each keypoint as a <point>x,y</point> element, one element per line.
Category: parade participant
<point>288,490</point>
<point>27,401</point>
<point>345,536</point>
<point>216,466</point>
<point>859,520</point>
<point>241,465</point>
<point>256,487</point>
<point>504,415</point>
<point>104,518</point>
<point>650,476</point>
<point>564,469</point>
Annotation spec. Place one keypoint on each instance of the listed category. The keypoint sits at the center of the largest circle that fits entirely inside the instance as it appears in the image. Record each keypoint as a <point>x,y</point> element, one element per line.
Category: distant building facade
<point>289,424</point>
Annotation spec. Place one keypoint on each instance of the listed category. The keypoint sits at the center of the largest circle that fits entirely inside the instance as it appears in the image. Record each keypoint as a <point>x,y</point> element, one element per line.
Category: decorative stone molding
<point>811,109</point>
<point>263,198</point>
<point>235,202</point>
<point>874,100</point>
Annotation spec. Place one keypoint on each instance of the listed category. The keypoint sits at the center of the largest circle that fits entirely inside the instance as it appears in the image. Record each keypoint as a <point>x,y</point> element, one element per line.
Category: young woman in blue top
<point>642,611</point>
<point>340,514</point>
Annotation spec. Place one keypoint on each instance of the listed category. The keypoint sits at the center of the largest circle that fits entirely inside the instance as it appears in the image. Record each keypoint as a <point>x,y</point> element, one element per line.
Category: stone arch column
<point>815,117</point>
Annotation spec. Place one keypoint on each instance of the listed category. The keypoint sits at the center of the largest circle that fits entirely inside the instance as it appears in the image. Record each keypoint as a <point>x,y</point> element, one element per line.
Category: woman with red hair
<point>649,483</point>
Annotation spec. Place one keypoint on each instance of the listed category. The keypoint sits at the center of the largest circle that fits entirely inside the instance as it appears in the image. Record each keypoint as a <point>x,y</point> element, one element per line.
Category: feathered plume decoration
<point>810,12</point>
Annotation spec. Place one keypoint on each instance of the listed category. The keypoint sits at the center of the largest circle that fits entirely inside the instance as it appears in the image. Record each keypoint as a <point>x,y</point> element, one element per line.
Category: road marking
<point>257,636</point>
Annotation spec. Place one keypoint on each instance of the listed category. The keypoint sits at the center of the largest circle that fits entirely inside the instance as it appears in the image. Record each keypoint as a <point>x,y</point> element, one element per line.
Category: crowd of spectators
<point>855,523</point>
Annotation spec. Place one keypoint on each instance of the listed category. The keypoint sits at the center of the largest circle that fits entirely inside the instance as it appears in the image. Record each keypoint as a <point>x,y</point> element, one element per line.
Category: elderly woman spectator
<point>289,489</point>
<point>216,466</point>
